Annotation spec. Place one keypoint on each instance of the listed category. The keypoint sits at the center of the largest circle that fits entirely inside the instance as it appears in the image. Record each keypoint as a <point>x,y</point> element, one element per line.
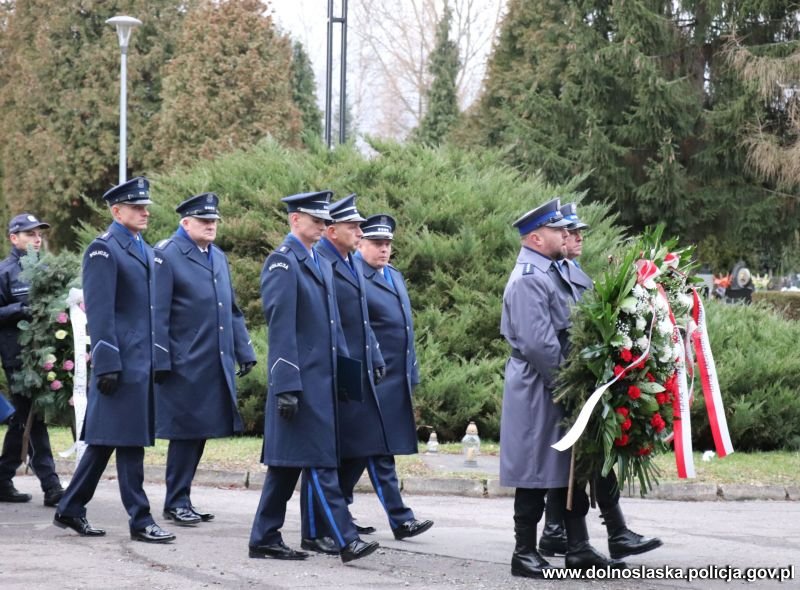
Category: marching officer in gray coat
<point>622,542</point>
<point>200,336</point>
<point>300,425</point>
<point>535,320</point>
<point>119,295</point>
<point>389,309</point>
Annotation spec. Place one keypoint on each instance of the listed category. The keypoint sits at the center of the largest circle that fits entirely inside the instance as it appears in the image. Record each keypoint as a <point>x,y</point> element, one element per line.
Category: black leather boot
<point>580,554</point>
<point>526,562</point>
<point>621,540</point>
<point>554,538</point>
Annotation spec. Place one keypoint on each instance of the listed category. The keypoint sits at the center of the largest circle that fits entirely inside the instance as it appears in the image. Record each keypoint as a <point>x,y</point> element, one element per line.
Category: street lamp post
<point>125,26</point>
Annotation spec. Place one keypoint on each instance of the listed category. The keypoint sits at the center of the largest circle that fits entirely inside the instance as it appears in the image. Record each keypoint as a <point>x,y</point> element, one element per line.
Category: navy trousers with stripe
<point>383,476</point>
<point>326,494</point>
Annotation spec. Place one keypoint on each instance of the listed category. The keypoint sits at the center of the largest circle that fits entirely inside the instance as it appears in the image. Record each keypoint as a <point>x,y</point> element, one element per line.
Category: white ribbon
<point>79,378</point>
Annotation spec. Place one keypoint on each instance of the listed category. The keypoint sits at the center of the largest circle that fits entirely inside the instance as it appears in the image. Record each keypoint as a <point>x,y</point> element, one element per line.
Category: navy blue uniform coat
<point>361,425</point>
<point>200,336</point>
<point>119,297</point>
<point>304,337</point>
<point>13,298</point>
<point>390,317</point>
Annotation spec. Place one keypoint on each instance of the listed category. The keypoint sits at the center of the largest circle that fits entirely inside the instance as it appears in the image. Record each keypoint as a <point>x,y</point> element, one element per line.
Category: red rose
<point>626,355</point>
<point>634,392</point>
<point>650,378</point>
<point>644,451</point>
<point>619,371</point>
<point>621,441</point>
<point>657,422</point>
<point>626,425</point>
<point>671,384</point>
<point>662,398</point>
<point>623,411</point>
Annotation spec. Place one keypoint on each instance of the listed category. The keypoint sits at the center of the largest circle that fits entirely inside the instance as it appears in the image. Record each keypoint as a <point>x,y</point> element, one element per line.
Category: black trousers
<point>529,504</point>
<point>183,457</point>
<point>39,451</point>
<point>606,491</point>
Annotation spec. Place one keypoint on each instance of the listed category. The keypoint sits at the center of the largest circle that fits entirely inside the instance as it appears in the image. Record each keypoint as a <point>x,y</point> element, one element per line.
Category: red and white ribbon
<point>708,378</point>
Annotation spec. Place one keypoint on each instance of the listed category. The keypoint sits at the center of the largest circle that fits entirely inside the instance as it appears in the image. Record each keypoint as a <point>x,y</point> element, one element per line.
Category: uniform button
<point>222,352</point>
<point>221,328</point>
<point>365,322</point>
<point>215,280</point>
<point>220,305</point>
<point>334,348</point>
<point>331,321</point>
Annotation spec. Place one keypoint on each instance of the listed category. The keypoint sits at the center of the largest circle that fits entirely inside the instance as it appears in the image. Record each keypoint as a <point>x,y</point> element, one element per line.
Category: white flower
<point>664,327</point>
<point>642,343</point>
<point>641,324</point>
<point>639,292</point>
<point>661,303</point>
<point>628,305</point>
<point>627,342</point>
<point>685,300</point>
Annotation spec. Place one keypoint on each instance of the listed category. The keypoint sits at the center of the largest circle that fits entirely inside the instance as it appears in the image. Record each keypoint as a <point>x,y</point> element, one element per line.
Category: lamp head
<point>125,26</point>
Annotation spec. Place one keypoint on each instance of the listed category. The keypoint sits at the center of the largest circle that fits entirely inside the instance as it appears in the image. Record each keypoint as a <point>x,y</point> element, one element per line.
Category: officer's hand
<point>107,384</point>
<point>288,403</point>
<point>161,375</point>
<point>380,373</point>
<point>26,313</point>
<point>245,368</point>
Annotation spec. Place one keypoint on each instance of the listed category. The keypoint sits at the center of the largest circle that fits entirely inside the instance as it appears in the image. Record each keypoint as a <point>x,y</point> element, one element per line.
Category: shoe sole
<point>550,552</point>
<point>182,523</point>
<point>61,525</point>
<point>416,533</point>
<point>309,547</point>
<point>364,553</point>
<point>259,555</point>
<point>16,501</point>
<point>643,549</point>
<point>164,540</point>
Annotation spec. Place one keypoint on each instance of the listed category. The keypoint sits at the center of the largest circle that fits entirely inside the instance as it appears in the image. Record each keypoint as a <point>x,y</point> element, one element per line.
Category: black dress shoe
<point>625,542</point>
<point>182,516</point>
<point>78,524</point>
<point>53,495</point>
<point>412,528</point>
<point>204,516</point>
<point>321,545</point>
<point>8,493</point>
<point>152,533</point>
<point>364,530</point>
<point>278,550</point>
<point>358,549</point>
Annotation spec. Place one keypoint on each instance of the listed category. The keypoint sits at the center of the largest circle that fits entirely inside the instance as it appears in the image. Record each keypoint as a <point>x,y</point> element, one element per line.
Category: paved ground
<point>469,547</point>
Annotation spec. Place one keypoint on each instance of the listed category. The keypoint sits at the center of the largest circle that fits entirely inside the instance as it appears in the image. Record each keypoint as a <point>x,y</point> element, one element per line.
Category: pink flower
<point>62,318</point>
<point>47,366</point>
<point>672,260</point>
<point>646,271</point>
<point>56,385</point>
<point>68,365</point>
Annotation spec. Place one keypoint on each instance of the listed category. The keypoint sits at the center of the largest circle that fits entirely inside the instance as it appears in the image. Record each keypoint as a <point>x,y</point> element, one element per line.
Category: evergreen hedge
<point>456,247</point>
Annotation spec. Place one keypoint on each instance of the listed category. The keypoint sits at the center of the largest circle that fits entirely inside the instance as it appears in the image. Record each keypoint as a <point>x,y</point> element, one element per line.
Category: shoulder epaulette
<point>104,236</point>
<point>163,243</point>
<point>528,268</point>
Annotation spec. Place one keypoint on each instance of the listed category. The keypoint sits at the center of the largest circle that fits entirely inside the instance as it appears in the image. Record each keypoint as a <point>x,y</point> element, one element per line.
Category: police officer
<point>535,320</point>
<point>119,294</point>
<point>24,231</point>
<point>622,542</point>
<point>389,309</point>
<point>200,336</point>
<point>300,428</point>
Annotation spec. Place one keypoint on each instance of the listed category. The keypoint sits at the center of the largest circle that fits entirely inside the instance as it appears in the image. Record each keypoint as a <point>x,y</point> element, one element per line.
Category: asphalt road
<point>469,547</point>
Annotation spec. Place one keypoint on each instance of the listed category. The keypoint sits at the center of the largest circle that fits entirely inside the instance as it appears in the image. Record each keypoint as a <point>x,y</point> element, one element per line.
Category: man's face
<point>133,217</point>
<point>549,241</point>
<point>376,253</point>
<point>574,244</point>
<point>202,231</point>
<point>21,240</point>
<point>345,235</point>
<point>308,228</point>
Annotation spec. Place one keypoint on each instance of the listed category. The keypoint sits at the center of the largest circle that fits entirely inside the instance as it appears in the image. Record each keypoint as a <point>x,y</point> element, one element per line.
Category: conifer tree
<point>59,100</point>
<point>304,91</point>
<point>229,84</point>
<point>443,64</point>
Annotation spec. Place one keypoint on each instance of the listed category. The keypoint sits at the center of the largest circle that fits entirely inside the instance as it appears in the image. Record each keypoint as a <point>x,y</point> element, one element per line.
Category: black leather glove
<point>107,384</point>
<point>288,403</point>
<point>25,313</point>
<point>245,368</point>
<point>161,375</point>
<point>380,373</point>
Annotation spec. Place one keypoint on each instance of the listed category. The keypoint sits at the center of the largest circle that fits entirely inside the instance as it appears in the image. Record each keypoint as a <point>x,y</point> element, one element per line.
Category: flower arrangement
<point>626,348</point>
<point>46,339</point>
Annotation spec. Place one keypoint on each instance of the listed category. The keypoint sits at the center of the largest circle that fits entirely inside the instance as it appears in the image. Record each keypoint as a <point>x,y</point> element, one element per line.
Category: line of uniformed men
<point>166,335</point>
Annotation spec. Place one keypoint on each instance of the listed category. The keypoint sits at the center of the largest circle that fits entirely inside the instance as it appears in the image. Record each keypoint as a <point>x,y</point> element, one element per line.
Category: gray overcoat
<point>534,321</point>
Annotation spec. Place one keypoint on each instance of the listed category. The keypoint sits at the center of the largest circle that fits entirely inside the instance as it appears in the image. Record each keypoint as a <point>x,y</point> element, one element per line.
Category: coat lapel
<point>192,252</point>
<point>126,242</point>
<point>305,257</point>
